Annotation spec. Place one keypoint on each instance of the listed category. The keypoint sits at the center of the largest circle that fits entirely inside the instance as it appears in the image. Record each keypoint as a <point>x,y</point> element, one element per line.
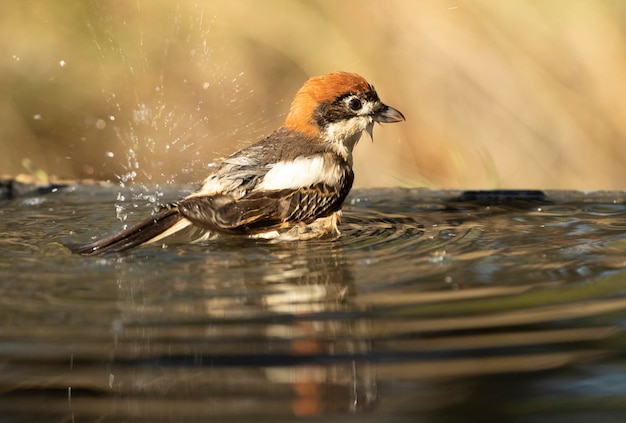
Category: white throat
<point>345,134</point>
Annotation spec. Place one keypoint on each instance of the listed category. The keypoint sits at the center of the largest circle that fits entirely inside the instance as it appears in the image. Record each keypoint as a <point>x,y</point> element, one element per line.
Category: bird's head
<point>338,107</point>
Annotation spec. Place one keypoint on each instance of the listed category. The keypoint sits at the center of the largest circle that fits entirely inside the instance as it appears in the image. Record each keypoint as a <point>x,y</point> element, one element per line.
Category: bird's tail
<point>161,224</point>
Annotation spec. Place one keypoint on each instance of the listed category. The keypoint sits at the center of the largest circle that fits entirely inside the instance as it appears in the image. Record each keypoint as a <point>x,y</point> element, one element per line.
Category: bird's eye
<point>355,104</point>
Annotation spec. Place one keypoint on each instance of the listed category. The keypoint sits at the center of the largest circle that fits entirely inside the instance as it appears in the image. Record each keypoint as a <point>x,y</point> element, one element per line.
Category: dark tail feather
<point>131,237</point>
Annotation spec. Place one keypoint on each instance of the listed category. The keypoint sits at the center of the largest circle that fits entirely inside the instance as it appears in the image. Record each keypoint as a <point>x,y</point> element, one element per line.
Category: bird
<point>290,185</point>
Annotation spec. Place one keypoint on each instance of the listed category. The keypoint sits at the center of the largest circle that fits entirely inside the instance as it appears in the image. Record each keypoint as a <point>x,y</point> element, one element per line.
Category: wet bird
<point>289,185</point>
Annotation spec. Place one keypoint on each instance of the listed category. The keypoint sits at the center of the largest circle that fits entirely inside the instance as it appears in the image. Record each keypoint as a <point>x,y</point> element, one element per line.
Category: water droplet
<point>111,118</point>
<point>16,58</point>
<point>110,154</point>
<point>141,114</point>
<point>119,211</point>
<point>206,85</point>
<point>100,124</point>
<point>62,63</point>
<point>37,116</point>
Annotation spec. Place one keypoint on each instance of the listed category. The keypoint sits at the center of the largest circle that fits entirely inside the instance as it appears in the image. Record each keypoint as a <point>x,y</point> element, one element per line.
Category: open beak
<point>386,114</point>
<point>383,114</point>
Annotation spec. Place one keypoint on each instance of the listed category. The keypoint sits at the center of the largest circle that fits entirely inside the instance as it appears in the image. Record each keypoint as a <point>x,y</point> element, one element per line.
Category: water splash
<point>153,128</point>
<point>169,95</point>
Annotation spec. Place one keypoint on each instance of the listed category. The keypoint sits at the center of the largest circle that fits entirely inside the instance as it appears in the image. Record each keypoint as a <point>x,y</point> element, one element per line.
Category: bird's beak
<point>383,114</point>
<point>386,114</point>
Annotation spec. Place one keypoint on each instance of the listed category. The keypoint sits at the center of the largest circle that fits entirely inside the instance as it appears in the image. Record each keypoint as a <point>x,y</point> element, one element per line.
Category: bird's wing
<point>263,211</point>
<point>253,198</point>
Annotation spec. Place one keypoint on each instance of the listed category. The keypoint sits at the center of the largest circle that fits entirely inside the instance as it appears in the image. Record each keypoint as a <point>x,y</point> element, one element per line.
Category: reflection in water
<point>246,332</point>
<point>432,305</point>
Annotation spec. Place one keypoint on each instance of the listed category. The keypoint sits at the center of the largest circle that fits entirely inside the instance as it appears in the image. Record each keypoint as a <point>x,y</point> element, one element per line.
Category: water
<point>432,306</point>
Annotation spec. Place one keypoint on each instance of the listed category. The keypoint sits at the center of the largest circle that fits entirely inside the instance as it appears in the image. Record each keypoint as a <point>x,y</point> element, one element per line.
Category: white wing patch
<point>299,173</point>
<point>178,226</point>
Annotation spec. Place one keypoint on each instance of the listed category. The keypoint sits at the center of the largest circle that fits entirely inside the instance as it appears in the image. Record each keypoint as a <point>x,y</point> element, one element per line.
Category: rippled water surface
<point>432,306</point>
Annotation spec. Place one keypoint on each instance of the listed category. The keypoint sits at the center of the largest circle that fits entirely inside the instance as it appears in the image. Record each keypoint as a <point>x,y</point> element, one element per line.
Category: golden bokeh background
<point>497,94</point>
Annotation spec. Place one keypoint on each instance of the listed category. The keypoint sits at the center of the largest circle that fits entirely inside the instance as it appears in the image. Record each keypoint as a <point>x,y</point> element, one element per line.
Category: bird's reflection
<point>252,323</point>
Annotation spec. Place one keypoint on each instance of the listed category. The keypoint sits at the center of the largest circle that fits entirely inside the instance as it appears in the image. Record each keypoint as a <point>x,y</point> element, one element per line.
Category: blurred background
<point>497,94</point>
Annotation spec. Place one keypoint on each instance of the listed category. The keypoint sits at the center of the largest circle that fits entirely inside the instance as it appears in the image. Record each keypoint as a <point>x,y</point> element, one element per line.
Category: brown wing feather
<point>260,212</point>
<point>133,236</point>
